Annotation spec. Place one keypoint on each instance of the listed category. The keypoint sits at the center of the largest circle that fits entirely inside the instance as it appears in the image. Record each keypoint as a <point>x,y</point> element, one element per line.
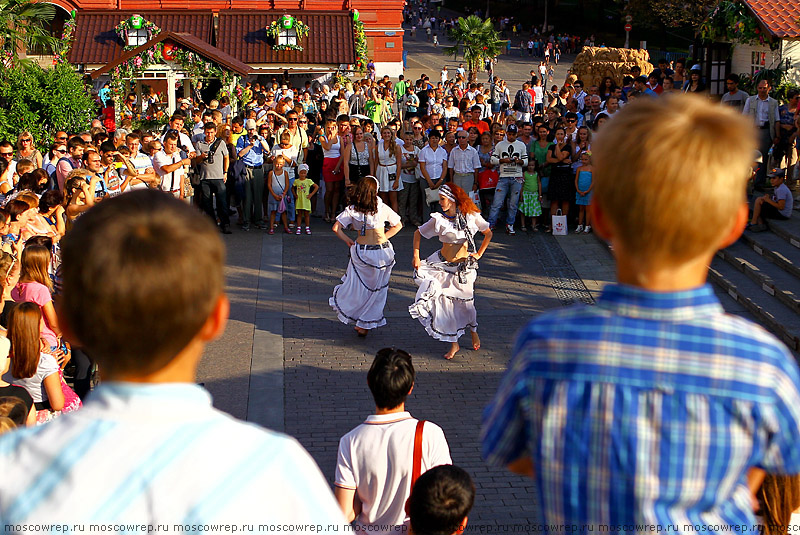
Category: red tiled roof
<point>187,41</point>
<point>780,17</point>
<point>96,42</point>
<point>330,41</point>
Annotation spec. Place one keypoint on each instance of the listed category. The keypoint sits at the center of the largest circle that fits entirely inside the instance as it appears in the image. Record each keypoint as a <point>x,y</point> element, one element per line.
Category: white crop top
<point>351,217</point>
<point>439,225</point>
<point>334,151</point>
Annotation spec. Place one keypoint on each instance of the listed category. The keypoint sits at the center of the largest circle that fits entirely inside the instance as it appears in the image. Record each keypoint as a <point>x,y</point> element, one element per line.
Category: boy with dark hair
<point>440,501</point>
<point>147,447</point>
<point>374,464</point>
<point>653,407</point>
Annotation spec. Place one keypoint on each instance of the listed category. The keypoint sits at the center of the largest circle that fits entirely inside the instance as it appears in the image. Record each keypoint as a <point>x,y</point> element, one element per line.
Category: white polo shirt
<point>170,182</point>
<point>376,460</point>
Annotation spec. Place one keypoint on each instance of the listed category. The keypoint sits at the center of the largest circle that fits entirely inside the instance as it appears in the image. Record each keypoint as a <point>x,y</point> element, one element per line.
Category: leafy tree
<point>43,101</point>
<point>476,39</point>
<point>661,14</point>
<point>23,25</point>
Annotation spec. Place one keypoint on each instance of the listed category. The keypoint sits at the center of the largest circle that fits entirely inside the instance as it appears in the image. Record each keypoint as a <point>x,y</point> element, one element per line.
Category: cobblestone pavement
<point>322,393</point>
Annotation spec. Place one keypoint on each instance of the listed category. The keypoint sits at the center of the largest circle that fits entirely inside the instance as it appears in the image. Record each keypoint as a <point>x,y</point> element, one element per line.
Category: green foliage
<point>731,21</point>
<point>23,21</point>
<point>43,101</point>
<point>361,46</point>
<point>657,14</point>
<point>476,39</point>
<point>777,80</point>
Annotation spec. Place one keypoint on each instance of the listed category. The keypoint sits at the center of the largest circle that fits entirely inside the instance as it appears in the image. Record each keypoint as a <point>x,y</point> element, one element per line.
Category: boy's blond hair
<point>670,175</point>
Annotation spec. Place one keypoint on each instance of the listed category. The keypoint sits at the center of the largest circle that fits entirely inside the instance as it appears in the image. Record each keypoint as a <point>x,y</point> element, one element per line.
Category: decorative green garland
<point>731,21</point>
<point>283,23</point>
<point>61,50</point>
<point>362,53</point>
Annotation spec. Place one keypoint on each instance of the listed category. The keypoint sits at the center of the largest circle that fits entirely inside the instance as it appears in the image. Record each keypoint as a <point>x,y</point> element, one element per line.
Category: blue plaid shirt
<point>648,408</point>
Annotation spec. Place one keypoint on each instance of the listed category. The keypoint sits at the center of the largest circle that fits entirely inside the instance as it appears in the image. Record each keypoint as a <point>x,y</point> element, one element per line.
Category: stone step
<point>789,229</point>
<point>772,279</point>
<point>775,316</point>
<point>775,249</point>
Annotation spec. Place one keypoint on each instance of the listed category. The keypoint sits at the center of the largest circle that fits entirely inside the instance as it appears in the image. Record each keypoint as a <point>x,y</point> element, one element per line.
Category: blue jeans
<point>505,186</point>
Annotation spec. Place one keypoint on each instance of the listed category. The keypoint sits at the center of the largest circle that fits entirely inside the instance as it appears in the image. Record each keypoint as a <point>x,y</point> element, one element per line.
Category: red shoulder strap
<point>416,467</point>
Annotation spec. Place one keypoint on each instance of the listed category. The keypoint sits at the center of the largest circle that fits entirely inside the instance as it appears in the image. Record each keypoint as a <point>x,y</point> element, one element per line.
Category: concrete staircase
<point>761,272</point>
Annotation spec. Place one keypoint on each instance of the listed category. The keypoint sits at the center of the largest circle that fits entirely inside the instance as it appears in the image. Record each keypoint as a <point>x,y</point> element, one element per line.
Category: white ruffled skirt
<point>362,295</point>
<point>444,304</point>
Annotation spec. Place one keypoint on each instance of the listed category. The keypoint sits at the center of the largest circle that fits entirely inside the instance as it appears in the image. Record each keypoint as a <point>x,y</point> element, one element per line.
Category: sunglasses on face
<point>5,153</point>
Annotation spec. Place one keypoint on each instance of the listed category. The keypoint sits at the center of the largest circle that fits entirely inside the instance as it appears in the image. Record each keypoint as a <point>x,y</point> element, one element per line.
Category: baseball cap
<point>695,67</point>
<point>777,172</point>
<point>302,167</point>
<point>249,124</point>
<point>511,128</point>
<point>186,101</point>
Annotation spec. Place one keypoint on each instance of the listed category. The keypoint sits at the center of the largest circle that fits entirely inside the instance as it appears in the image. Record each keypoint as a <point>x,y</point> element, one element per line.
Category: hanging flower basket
<point>135,22</point>
<point>287,22</point>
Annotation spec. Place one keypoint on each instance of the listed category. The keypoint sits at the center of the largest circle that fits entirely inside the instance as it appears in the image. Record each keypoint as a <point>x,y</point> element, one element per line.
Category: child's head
<point>391,377</point>
<point>35,265</point>
<point>25,166</point>
<point>279,161</point>
<point>440,501</point>
<point>171,296</point>
<point>302,171</point>
<point>677,191</point>
<point>531,164</point>
<point>24,329</point>
<point>586,158</point>
<point>14,409</point>
<point>286,138</point>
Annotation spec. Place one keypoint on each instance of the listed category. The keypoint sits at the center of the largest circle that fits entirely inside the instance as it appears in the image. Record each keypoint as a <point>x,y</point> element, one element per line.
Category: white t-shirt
<point>434,161</point>
<point>169,181</point>
<point>35,385</point>
<point>375,459</point>
<point>538,94</point>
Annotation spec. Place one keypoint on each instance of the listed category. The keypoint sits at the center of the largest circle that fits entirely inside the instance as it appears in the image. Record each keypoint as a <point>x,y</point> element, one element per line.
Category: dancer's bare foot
<point>476,341</point>
<point>454,347</point>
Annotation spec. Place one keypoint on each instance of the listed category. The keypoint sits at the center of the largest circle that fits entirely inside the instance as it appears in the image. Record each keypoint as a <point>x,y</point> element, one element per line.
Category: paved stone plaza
<point>286,361</point>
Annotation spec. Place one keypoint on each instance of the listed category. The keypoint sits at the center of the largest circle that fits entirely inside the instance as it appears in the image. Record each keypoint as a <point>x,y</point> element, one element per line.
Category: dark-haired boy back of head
<point>373,468</point>
<point>440,501</point>
<point>143,295</point>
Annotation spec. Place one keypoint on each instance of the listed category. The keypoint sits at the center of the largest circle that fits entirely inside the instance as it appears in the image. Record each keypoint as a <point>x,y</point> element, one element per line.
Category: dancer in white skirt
<point>445,303</point>
<point>386,155</point>
<point>362,295</point>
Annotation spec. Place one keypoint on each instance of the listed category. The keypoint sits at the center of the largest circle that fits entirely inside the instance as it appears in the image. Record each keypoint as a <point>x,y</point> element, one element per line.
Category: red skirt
<point>328,165</point>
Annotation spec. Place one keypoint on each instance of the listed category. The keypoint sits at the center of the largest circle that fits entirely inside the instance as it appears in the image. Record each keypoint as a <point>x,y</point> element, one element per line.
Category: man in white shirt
<point>184,142</point>
<point>375,460</point>
<point>464,163</point>
<point>764,111</point>
<point>170,166</point>
<point>512,156</point>
<point>432,168</point>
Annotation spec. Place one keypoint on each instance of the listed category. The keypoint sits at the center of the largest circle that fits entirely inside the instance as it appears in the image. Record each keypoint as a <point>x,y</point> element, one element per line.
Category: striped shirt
<point>648,408</point>
<point>158,453</point>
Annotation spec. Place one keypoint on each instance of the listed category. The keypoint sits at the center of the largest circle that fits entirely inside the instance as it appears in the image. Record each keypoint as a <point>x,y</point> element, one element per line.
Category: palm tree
<point>476,39</point>
<point>23,26</point>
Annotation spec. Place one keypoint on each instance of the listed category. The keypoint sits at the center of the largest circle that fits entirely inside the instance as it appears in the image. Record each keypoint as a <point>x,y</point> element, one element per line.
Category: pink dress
<point>35,292</point>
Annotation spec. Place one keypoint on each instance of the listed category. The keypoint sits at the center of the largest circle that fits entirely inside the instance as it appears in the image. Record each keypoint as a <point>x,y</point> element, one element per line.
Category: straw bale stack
<point>595,63</point>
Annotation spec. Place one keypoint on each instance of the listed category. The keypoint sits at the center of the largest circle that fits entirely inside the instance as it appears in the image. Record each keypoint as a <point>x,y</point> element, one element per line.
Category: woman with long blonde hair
<point>26,149</point>
<point>386,156</point>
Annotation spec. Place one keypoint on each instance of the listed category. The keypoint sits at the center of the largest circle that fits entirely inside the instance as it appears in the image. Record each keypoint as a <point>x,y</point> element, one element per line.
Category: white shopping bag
<point>476,198</point>
<point>559,224</point>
